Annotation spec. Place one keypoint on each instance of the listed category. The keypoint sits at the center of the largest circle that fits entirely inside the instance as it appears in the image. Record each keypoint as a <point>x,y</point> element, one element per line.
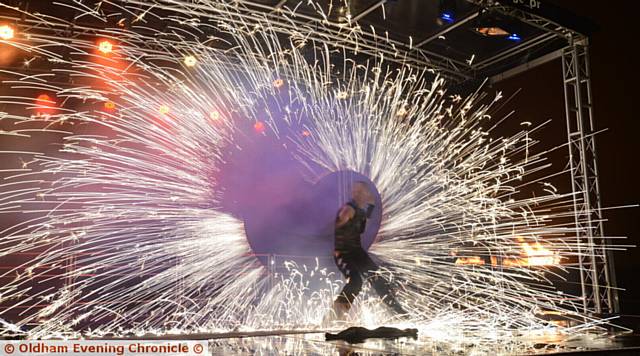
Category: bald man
<point>353,261</point>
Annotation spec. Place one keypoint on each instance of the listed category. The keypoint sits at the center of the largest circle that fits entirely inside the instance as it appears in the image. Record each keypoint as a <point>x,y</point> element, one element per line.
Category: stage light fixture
<point>447,16</point>
<point>514,37</point>
<point>491,31</point>
<point>448,11</point>
<point>6,32</point>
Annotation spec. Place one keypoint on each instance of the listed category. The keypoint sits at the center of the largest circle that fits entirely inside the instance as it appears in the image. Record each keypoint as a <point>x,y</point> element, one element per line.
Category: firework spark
<point>127,216</point>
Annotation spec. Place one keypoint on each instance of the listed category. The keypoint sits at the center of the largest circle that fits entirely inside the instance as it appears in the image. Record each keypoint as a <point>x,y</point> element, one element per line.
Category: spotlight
<point>448,11</point>
<point>514,37</point>
<point>214,115</point>
<point>496,25</point>
<point>447,16</point>
<point>164,109</point>
<point>306,133</point>
<point>190,61</point>
<point>105,46</point>
<point>6,32</point>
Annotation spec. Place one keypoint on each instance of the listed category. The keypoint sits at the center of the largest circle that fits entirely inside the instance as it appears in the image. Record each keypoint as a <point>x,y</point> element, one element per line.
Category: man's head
<point>361,193</point>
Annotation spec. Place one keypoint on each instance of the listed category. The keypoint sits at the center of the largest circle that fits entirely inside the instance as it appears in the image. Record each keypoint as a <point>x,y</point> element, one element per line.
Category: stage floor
<point>314,343</point>
<point>311,342</point>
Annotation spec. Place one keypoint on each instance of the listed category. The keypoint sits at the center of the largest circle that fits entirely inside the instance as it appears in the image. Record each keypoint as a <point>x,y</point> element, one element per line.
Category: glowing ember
<point>164,109</point>
<point>6,32</point>
<point>190,61</point>
<point>259,127</point>
<point>110,105</point>
<point>105,46</point>
<point>402,112</point>
<point>278,83</point>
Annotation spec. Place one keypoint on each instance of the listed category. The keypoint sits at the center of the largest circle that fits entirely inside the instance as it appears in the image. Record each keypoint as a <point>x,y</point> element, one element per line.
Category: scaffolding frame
<point>597,275</point>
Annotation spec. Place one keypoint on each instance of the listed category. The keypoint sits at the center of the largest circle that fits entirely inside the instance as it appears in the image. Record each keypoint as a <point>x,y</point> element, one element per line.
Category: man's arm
<point>345,214</point>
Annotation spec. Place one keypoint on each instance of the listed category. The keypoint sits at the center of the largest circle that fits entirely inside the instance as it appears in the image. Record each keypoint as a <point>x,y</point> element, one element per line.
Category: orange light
<point>306,133</point>
<point>492,31</point>
<point>105,46</point>
<point>45,105</point>
<point>164,109</point>
<point>474,260</point>
<point>538,255</point>
<point>535,255</point>
<point>259,127</point>
<point>45,100</point>
<point>6,32</point>
<point>110,105</point>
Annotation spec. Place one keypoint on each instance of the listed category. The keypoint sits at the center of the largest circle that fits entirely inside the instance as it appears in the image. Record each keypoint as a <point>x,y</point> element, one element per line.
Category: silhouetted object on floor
<point>357,334</point>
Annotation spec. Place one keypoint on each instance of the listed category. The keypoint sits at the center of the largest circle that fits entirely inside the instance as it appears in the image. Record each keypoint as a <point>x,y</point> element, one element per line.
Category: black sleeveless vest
<point>348,235</point>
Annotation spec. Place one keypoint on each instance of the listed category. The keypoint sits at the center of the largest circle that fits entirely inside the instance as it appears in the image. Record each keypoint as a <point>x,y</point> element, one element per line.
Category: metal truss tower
<point>596,271</point>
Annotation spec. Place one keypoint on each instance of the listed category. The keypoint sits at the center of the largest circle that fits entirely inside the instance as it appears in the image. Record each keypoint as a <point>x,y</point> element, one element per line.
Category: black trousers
<point>356,265</point>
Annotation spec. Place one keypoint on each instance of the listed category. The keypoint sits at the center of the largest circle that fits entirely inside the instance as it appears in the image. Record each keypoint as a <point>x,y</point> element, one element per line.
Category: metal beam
<point>333,33</point>
<point>368,10</point>
<point>529,18</point>
<point>448,29</point>
<point>524,46</point>
<point>526,66</point>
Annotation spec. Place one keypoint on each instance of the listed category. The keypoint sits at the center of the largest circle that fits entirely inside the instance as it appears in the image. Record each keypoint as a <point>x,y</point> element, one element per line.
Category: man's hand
<point>345,214</point>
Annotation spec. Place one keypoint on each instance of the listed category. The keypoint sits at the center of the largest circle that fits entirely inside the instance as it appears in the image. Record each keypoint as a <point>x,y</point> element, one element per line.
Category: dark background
<point>614,75</point>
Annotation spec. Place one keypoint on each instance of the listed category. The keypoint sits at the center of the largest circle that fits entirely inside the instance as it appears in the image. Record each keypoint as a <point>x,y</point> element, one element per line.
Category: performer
<point>352,260</point>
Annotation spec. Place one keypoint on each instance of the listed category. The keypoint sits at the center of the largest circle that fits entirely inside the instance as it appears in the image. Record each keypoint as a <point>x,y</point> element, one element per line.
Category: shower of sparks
<point>127,214</point>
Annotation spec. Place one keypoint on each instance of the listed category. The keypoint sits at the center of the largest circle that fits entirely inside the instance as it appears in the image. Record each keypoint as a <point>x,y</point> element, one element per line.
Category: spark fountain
<point>183,151</point>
